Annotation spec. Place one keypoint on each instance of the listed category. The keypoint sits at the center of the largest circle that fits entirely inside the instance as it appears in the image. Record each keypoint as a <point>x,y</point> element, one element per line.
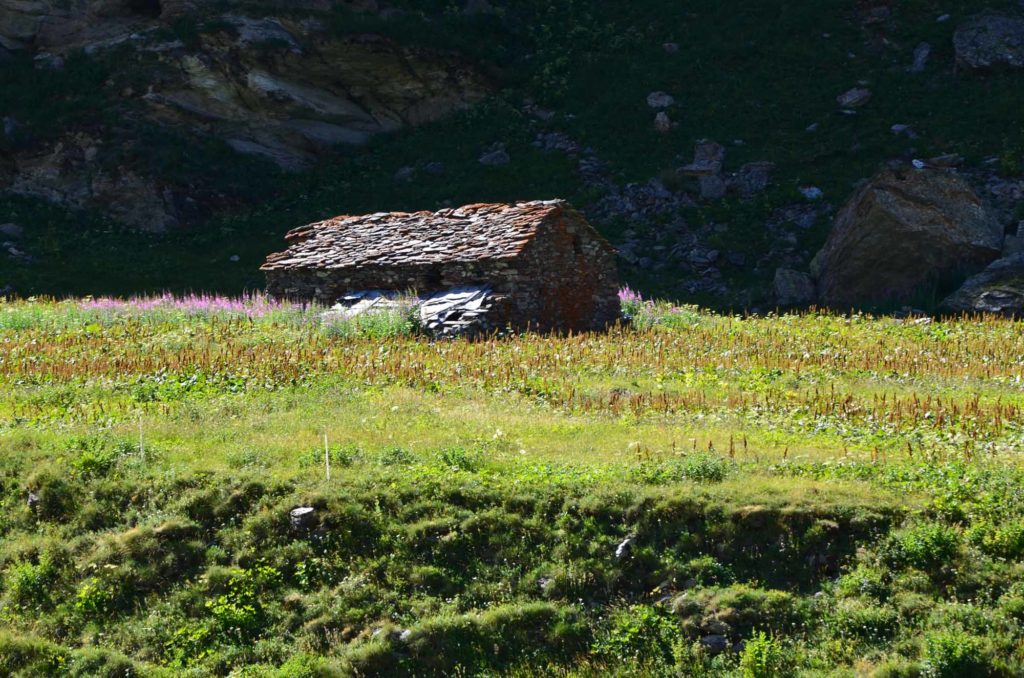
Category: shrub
<point>865,620</point>
<point>699,467</point>
<point>56,498</point>
<point>460,459</point>
<point>745,608</point>
<point>239,610</point>
<point>638,632</point>
<point>32,585</point>
<point>954,654</point>
<point>864,580</point>
<point>96,456</point>
<point>928,547</point>
<point>95,597</point>
<point>396,456</point>
<point>763,657</point>
<point>1002,540</point>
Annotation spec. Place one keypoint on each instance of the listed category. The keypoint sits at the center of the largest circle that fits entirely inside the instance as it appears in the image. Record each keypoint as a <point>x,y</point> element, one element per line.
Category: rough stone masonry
<point>549,269</point>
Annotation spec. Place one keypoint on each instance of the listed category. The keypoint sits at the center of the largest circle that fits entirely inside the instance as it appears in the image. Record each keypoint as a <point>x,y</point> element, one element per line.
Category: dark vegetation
<point>759,74</point>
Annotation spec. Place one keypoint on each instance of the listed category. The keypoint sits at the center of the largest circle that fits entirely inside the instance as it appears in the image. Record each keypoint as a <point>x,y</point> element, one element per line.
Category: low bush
<point>927,546</point>
<point>954,654</point>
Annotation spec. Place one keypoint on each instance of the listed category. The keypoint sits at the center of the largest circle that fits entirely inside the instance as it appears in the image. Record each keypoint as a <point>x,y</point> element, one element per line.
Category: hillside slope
<point>221,125</point>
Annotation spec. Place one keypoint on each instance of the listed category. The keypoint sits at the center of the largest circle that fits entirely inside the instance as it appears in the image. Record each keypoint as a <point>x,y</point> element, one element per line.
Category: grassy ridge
<point>523,506</point>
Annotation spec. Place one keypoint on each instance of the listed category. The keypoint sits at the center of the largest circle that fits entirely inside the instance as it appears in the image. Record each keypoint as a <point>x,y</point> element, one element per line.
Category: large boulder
<point>20,21</point>
<point>997,289</point>
<point>990,41</point>
<point>903,233</point>
<point>793,287</point>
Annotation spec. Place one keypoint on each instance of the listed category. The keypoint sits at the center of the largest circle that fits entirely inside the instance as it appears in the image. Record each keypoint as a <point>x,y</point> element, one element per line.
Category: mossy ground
<point>834,496</point>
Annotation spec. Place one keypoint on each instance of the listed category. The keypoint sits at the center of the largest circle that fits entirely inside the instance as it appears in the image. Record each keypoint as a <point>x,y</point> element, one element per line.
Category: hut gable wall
<point>570,277</point>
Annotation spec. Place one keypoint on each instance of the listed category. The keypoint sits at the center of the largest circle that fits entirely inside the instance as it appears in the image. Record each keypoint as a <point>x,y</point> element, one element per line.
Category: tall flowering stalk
<point>250,305</point>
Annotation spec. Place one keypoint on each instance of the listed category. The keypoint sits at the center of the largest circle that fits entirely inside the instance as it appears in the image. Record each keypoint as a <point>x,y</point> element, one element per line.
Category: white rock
<point>660,100</point>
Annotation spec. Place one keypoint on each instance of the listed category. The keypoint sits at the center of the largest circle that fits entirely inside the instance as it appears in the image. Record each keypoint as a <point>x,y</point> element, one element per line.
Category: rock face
<point>902,233</point>
<point>997,289</point>
<point>550,268</point>
<point>793,287</point>
<point>281,91</point>
<point>285,89</point>
<point>990,41</point>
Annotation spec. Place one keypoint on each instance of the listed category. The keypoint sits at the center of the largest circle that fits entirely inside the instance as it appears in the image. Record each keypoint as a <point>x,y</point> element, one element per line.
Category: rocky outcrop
<point>286,93</point>
<point>901,234</point>
<point>990,41</point>
<point>68,173</point>
<point>59,25</point>
<point>997,289</point>
<point>286,89</point>
<point>793,288</point>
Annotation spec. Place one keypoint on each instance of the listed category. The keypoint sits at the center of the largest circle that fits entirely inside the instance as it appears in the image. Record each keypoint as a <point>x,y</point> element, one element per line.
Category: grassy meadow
<point>688,494</point>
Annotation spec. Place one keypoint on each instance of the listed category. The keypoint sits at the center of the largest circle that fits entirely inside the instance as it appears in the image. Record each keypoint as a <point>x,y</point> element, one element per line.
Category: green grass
<point>480,492</point>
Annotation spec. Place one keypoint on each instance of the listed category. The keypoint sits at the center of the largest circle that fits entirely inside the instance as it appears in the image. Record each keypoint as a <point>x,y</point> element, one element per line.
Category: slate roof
<point>470,233</point>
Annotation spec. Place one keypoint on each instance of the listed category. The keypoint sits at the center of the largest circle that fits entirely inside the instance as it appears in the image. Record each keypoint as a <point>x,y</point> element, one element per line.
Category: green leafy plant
<point>763,657</point>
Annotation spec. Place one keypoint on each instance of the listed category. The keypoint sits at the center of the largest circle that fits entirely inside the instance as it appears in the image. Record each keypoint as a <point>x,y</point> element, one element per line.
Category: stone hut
<point>545,267</point>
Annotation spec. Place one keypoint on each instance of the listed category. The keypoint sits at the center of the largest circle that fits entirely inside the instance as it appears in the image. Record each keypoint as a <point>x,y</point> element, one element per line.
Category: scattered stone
<point>405,174</point>
<point>901,232</point>
<point>943,18</point>
<point>405,636</point>
<point>753,177</point>
<point>660,100</point>
<point>531,108</point>
<point>702,258</point>
<point>302,517</point>
<point>921,54</point>
<point>662,123</point>
<point>813,127</point>
<point>998,289</point>
<point>10,125</point>
<point>707,160</point>
<point>736,259</point>
<point>793,287</point>
<point>234,258</point>
<point>715,644</point>
<point>495,158</point>
<point>854,98</point>
<point>905,130</point>
<point>989,41</point>
<point>264,31</point>
<point>811,192</point>
<point>33,501</point>
<point>12,231</point>
<point>712,187</point>
<point>918,164</point>
<point>434,168</point>
<point>670,47</point>
<point>556,141</point>
<point>623,549</point>
<point>947,161</point>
